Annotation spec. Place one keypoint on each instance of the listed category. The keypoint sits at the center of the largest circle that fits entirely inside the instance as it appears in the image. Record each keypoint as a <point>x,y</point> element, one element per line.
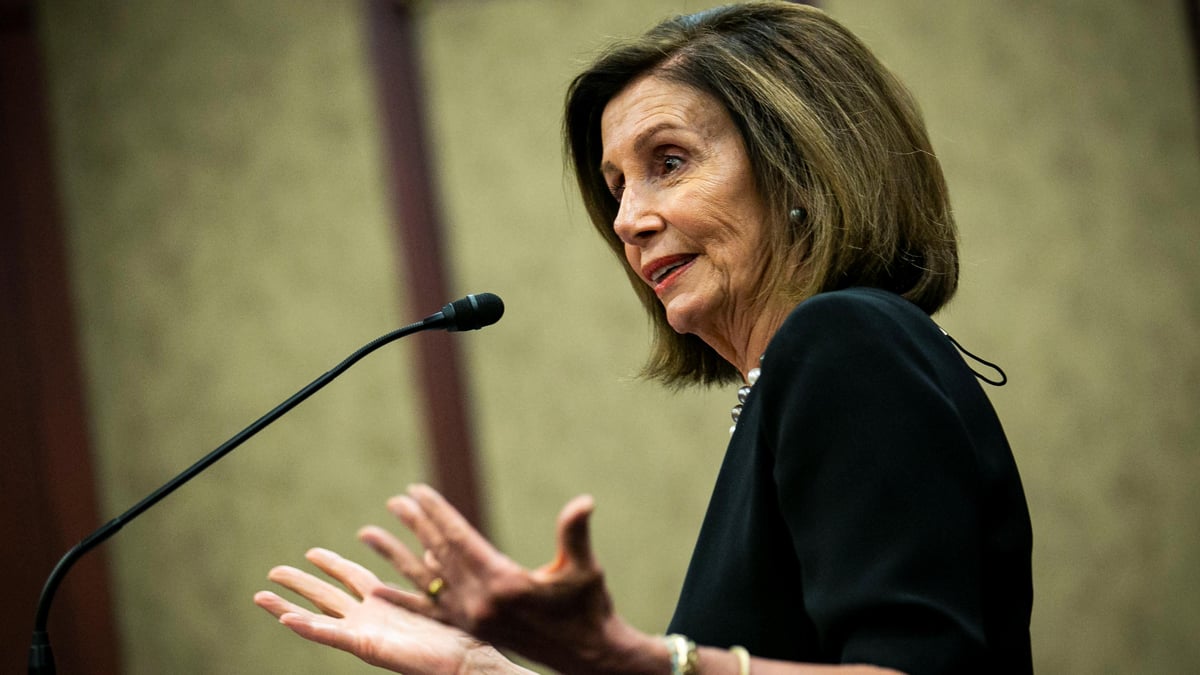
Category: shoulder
<point>862,347</point>
<point>864,320</point>
<point>856,305</point>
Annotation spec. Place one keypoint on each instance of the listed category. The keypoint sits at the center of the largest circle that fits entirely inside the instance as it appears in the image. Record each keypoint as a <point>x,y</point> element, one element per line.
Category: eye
<point>617,189</point>
<point>671,163</point>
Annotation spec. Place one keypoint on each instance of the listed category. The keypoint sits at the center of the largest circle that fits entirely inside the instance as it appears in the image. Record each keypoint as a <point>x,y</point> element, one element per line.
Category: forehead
<point>652,104</point>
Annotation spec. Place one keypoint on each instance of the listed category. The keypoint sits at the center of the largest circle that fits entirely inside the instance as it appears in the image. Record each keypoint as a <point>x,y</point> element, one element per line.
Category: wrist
<point>631,652</point>
<point>487,660</point>
<point>628,651</point>
<point>714,661</point>
<point>685,660</point>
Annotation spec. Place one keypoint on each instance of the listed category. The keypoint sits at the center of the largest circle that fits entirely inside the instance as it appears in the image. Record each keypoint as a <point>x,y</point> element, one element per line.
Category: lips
<point>661,271</point>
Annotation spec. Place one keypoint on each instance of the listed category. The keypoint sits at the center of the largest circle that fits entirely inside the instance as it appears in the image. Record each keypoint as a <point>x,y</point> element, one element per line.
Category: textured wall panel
<point>1068,134</point>
<point>222,189</point>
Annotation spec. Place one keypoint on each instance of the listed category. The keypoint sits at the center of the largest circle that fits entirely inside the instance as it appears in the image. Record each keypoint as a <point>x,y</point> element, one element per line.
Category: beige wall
<point>1068,132</point>
<point>229,241</point>
<point>220,166</point>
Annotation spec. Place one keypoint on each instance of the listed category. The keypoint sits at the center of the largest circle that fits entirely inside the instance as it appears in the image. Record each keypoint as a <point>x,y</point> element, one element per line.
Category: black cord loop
<point>995,383</point>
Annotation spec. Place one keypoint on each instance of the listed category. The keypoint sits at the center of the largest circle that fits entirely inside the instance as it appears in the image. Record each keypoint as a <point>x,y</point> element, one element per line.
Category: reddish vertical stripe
<point>394,51</point>
<point>47,494</point>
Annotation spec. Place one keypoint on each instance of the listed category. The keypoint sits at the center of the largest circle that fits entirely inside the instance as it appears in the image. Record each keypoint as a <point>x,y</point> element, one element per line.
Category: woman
<point>775,199</point>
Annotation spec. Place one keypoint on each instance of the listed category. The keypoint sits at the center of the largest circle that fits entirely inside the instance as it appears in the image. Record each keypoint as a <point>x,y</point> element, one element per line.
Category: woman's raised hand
<point>559,614</point>
<point>371,628</point>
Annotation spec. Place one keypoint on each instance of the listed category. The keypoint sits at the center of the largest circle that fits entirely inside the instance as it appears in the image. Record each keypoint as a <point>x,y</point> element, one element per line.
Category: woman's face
<point>690,215</point>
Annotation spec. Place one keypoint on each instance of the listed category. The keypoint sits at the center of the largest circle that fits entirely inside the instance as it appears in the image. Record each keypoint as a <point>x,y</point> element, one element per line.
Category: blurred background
<point>220,178</point>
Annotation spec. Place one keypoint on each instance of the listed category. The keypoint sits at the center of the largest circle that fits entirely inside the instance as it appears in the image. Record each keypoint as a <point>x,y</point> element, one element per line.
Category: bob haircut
<point>837,146</point>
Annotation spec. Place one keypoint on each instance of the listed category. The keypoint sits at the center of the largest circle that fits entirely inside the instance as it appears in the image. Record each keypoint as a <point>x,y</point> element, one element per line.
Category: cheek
<point>633,256</point>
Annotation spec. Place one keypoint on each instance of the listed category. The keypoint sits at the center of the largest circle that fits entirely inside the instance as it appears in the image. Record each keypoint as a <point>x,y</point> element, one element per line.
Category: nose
<point>637,220</point>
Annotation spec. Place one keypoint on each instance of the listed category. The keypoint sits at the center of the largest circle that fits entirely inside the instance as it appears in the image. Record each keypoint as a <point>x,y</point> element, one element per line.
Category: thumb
<point>574,536</point>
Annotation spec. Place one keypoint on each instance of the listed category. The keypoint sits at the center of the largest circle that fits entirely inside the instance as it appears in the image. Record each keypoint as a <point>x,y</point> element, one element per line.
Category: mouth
<point>662,271</point>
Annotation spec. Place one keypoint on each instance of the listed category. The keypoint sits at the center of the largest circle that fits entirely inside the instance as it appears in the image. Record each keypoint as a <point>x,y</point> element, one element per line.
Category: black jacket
<point>868,509</point>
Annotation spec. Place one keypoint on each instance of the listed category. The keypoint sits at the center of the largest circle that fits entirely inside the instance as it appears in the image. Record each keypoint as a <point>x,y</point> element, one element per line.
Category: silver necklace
<point>743,392</point>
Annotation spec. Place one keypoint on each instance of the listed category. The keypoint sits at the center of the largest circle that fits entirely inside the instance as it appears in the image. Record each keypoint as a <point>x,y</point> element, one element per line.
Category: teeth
<point>664,271</point>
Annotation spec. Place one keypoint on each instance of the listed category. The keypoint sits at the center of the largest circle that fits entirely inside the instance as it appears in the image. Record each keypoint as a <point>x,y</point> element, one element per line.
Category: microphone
<point>469,313</point>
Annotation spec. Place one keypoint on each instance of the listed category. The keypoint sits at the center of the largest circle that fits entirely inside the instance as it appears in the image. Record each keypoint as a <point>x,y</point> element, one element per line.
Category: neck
<point>744,346</point>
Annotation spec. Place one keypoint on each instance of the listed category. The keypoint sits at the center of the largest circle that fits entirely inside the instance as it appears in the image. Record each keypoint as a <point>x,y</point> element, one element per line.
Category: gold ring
<point>435,587</point>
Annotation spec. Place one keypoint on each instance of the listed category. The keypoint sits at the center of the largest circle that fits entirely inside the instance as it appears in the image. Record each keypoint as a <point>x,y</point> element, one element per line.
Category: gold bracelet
<point>684,658</point>
<point>743,658</point>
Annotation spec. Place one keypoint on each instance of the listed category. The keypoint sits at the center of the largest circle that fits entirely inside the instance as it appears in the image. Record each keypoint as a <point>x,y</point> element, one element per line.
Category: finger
<point>441,512</point>
<point>574,531</point>
<point>326,597</point>
<point>276,605</point>
<point>321,629</point>
<point>402,559</point>
<point>351,575</point>
<point>413,602</point>
<point>431,562</point>
<point>382,542</point>
<point>574,536</point>
<point>415,519</point>
<point>459,540</point>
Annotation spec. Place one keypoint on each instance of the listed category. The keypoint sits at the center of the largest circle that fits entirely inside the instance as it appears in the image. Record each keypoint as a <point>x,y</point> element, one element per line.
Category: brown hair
<point>828,130</point>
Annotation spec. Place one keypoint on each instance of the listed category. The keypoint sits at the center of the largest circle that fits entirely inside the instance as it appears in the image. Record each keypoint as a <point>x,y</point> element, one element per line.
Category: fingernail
<point>401,505</point>
<point>280,568</point>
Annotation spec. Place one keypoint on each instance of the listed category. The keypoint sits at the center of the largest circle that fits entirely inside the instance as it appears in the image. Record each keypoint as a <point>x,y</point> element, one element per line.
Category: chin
<point>684,315</point>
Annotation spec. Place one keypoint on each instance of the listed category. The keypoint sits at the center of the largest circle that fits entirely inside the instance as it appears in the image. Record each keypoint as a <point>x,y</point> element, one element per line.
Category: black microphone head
<point>473,312</point>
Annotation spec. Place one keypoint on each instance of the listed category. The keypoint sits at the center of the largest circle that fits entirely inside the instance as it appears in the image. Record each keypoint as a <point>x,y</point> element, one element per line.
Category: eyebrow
<point>640,142</point>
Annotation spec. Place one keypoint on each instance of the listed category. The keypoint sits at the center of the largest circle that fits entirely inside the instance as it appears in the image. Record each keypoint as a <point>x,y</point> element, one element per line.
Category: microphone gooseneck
<point>470,313</point>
